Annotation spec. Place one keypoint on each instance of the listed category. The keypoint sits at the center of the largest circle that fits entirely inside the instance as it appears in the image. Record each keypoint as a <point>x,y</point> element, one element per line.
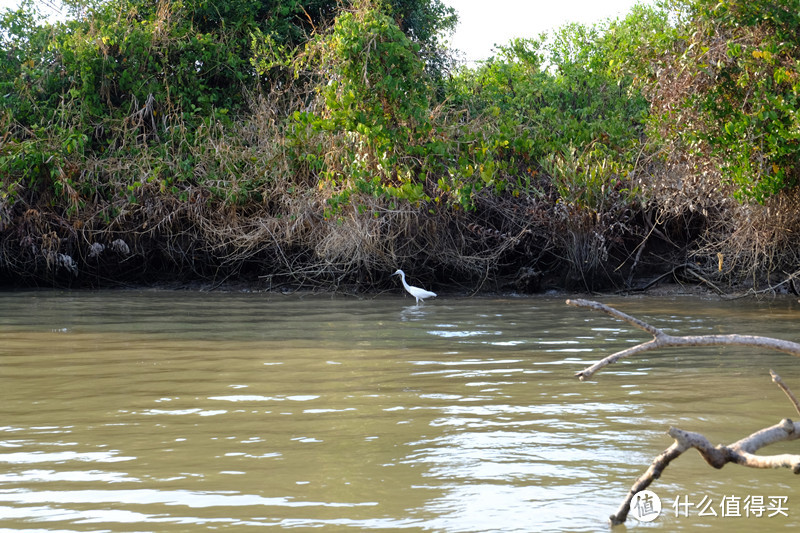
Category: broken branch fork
<point>663,340</point>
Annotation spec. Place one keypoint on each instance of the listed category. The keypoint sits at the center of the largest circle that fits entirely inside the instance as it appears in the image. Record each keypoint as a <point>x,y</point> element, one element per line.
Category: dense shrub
<point>143,80</point>
<point>305,113</point>
<point>724,85</point>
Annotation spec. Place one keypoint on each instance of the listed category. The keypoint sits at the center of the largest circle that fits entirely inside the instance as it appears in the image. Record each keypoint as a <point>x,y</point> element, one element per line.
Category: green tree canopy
<point>189,54</point>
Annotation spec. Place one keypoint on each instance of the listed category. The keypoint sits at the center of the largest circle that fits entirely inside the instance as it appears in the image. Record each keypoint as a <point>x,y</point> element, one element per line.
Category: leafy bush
<point>725,91</point>
<point>374,104</point>
<point>135,79</point>
<point>544,99</point>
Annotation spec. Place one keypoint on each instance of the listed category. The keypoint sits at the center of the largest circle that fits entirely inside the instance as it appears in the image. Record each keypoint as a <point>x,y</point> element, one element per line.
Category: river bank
<point>505,245</point>
<point>189,150</point>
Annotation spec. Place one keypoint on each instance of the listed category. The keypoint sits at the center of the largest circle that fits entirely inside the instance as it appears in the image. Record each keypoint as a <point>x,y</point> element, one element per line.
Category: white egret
<point>416,292</point>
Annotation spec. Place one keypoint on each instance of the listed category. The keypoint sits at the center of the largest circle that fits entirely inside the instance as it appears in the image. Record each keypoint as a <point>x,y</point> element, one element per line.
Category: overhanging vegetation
<point>320,144</point>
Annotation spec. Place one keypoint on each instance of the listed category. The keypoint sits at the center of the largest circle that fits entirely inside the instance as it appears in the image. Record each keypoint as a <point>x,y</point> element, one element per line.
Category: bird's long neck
<point>403,277</point>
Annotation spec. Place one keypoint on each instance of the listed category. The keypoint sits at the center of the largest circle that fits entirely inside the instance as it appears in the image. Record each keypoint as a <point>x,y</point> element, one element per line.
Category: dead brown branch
<point>663,340</point>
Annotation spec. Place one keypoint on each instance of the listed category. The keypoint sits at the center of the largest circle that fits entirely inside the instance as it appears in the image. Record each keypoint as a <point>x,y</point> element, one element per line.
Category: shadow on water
<point>136,411</point>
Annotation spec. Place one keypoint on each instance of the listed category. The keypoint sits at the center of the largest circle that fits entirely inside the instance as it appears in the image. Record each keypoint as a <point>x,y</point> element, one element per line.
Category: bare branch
<point>664,340</point>
<point>597,306</point>
<point>740,452</point>
<point>654,472</point>
<point>778,381</point>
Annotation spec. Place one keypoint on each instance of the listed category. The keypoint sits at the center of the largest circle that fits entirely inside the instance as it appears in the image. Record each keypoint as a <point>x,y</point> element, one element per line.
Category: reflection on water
<point>154,411</point>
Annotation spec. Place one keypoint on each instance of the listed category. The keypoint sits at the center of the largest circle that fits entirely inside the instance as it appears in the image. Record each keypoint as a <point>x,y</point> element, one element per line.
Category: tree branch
<point>740,452</point>
<point>663,340</point>
<point>779,382</point>
<point>654,472</point>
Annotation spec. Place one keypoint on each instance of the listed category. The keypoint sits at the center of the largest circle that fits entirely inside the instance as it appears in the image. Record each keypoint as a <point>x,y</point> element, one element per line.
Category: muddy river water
<point>126,411</point>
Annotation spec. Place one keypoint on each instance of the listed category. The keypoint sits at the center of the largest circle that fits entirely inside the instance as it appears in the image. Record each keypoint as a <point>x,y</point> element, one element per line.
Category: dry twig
<point>779,382</point>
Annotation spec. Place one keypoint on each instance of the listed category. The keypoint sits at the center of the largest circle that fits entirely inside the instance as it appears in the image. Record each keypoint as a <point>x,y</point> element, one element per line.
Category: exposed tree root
<point>504,243</point>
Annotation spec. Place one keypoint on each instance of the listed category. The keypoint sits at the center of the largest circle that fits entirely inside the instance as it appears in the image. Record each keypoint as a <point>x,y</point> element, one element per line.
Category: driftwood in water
<point>741,452</point>
<point>663,340</point>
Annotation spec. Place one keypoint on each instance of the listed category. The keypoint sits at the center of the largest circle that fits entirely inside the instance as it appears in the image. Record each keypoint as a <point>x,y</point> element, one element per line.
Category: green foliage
<point>728,85</point>
<point>377,87</point>
<point>375,102</point>
<point>155,81</point>
<point>361,105</point>
<point>539,100</point>
<point>125,79</point>
<point>247,104</point>
<point>378,129</point>
<point>592,181</point>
